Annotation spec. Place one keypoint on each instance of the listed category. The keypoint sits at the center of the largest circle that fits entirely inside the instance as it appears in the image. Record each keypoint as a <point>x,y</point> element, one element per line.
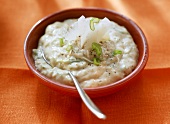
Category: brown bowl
<point>38,30</point>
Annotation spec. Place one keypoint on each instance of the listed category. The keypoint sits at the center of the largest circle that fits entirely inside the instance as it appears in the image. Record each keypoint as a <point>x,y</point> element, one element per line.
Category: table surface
<point>24,100</point>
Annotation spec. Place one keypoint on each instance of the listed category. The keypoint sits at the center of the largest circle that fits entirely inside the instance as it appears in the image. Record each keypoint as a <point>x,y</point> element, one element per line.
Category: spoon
<point>86,99</point>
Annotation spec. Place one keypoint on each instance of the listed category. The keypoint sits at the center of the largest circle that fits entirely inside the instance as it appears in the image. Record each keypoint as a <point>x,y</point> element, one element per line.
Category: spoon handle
<point>86,99</point>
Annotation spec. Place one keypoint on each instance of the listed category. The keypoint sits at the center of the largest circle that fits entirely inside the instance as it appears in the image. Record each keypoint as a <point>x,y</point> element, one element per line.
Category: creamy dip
<point>97,51</point>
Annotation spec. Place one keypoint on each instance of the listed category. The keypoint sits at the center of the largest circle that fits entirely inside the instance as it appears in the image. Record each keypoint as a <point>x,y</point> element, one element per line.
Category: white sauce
<point>77,42</point>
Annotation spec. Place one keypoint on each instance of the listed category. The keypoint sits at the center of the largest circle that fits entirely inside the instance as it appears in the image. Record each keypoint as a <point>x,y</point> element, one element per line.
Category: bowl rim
<point>135,72</point>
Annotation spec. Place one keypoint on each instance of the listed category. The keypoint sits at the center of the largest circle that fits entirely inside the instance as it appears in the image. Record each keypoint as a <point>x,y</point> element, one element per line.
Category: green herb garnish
<point>97,48</point>
<point>61,42</point>
<point>96,61</point>
<point>92,21</point>
<point>116,52</point>
<point>69,48</point>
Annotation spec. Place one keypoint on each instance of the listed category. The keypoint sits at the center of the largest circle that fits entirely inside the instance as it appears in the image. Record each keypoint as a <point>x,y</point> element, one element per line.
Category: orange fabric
<point>24,100</point>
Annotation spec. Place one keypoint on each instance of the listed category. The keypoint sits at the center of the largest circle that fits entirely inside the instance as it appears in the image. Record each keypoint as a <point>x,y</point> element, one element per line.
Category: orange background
<point>24,100</point>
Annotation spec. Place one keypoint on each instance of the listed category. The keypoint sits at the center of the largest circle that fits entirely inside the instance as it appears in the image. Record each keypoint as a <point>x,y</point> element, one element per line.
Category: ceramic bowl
<point>38,30</point>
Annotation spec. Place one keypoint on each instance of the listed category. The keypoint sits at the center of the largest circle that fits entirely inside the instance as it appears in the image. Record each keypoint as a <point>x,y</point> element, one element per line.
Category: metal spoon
<point>86,99</point>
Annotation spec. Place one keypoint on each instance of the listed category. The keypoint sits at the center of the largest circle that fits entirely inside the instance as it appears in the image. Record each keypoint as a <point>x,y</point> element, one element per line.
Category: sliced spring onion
<point>116,52</point>
<point>92,21</point>
<point>97,48</point>
<point>96,61</point>
<point>61,42</point>
<point>69,48</point>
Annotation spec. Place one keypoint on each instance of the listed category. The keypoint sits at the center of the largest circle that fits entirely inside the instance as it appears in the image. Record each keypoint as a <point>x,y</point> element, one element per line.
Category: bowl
<point>38,30</point>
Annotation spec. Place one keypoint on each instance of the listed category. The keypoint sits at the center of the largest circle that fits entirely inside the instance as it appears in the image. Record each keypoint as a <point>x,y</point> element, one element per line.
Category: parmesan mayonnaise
<point>97,51</point>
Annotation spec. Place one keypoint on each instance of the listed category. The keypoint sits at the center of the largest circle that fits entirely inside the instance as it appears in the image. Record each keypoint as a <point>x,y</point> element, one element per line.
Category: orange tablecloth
<point>24,100</point>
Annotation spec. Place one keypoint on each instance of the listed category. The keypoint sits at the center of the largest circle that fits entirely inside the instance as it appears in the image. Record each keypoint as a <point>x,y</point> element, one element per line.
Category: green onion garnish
<point>116,52</point>
<point>97,48</point>
<point>96,61</point>
<point>92,21</point>
<point>61,42</point>
<point>69,48</point>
